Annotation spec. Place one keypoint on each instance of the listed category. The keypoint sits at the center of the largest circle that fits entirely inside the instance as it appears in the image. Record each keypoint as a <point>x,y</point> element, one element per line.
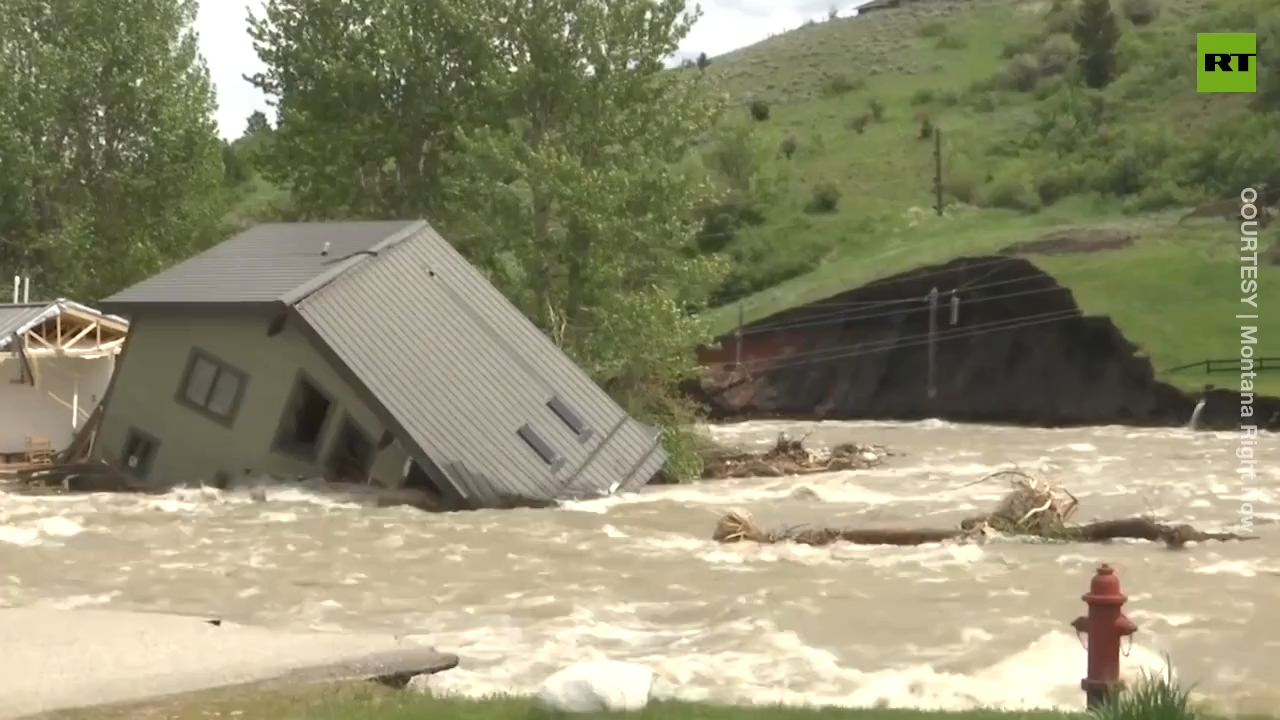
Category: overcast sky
<point>725,25</point>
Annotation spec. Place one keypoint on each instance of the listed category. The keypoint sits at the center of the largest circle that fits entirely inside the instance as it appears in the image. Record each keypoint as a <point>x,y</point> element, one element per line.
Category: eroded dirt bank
<point>1012,348</point>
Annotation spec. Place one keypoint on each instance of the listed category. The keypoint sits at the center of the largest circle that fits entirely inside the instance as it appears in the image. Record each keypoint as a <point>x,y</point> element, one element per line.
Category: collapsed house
<point>368,352</point>
<point>56,360</point>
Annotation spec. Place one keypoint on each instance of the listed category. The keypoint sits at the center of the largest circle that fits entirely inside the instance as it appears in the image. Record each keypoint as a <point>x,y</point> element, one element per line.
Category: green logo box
<point>1227,63</point>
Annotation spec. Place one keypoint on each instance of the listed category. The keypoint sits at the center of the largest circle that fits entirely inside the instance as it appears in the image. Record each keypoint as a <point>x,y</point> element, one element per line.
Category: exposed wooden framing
<point>66,332</point>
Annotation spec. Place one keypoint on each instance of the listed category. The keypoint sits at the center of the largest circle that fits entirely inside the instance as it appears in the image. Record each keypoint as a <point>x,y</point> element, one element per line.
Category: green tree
<point>111,161</point>
<point>369,95</point>
<point>1098,35</point>
<point>545,136</point>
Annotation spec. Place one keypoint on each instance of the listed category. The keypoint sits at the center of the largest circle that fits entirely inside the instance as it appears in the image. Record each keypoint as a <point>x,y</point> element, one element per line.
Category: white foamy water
<point>518,594</point>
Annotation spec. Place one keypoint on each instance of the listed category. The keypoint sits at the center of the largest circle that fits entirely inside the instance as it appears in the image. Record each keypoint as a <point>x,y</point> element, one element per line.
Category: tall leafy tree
<point>1097,33</point>
<point>111,160</point>
<point>549,139</point>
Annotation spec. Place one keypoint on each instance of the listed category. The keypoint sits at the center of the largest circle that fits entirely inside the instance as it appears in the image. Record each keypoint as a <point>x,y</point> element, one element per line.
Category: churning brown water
<point>519,594</point>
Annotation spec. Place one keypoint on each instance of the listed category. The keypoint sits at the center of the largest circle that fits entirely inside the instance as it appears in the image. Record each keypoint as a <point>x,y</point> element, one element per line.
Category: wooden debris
<point>1033,508</point>
<point>85,477</point>
<point>788,457</point>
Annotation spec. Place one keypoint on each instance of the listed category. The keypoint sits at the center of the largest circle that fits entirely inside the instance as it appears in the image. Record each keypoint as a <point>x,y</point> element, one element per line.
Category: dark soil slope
<point>1018,351</point>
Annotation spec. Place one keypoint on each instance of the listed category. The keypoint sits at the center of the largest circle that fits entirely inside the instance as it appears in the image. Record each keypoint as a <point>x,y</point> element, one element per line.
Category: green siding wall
<point>194,447</point>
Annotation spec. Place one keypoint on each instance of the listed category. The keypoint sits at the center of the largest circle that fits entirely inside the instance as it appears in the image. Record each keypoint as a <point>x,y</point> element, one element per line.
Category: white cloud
<point>725,25</point>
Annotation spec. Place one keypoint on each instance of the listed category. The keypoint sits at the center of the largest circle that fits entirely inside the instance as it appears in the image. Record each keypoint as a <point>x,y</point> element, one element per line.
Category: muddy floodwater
<point>518,594</point>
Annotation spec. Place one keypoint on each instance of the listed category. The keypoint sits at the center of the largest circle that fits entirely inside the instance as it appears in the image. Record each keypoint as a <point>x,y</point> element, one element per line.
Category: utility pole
<point>737,346</point>
<point>933,331</point>
<point>937,170</point>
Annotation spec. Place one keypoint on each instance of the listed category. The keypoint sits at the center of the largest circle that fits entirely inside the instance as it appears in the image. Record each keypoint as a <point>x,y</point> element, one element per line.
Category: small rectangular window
<point>139,452</point>
<point>212,387</point>
<point>540,446</point>
<point>570,418</point>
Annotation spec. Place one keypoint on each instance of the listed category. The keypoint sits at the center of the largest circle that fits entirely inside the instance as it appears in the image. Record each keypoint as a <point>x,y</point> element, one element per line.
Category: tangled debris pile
<point>789,457</point>
<point>1034,507</point>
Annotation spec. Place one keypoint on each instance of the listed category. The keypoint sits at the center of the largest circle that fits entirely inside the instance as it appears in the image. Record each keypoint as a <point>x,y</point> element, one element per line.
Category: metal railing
<point>1212,366</point>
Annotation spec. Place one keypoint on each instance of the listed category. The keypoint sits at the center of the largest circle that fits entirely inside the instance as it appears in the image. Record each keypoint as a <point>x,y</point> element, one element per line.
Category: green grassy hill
<point>837,188</point>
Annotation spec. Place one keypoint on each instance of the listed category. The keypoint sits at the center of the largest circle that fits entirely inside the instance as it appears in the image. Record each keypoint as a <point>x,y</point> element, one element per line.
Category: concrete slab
<point>55,659</point>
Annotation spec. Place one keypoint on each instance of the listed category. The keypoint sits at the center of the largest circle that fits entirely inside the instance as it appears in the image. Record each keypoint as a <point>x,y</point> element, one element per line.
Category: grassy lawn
<point>367,701</point>
<point>1174,292</point>
<point>1151,698</point>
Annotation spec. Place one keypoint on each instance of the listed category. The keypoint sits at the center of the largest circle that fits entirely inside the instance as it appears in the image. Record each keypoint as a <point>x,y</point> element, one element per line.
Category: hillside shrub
<point>1011,189</point>
<point>825,199</point>
<point>1025,45</point>
<point>757,265</point>
<point>1020,74</point>
<point>759,110</point>
<point>1062,16</point>
<point>923,96</point>
<point>1057,55</point>
<point>1140,12</point>
<point>962,182</point>
<point>926,128</point>
<point>876,107</point>
<point>840,84</point>
<point>932,29</point>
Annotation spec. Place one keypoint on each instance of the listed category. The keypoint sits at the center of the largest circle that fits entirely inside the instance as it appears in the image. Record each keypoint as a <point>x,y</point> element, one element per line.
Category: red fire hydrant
<point>1105,625</point>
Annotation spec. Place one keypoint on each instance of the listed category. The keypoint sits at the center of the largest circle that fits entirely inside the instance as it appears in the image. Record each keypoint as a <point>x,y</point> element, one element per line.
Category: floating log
<point>1034,508</point>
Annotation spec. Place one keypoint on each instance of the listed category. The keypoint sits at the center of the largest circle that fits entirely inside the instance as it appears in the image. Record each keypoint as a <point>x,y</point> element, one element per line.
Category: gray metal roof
<point>459,371</point>
<point>18,319</point>
<point>265,263</point>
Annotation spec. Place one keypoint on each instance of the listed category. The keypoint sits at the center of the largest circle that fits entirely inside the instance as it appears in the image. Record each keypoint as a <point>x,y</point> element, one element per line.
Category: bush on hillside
<point>876,107</point>
<point>932,29</point>
<point>962,182</point>
<point>721,222</point>
<point>923,96</point>
<point>840,84</point>
<point>759,110</point>
<point>1011,189</point>
<point>1020,74</point>
<point>757,265</point>
<point>1062,16</point>
<point>1057,55</point>
<point>1140,12</point>
<point>926,127</point>
<point>1026,45</point>
<point>825,200</point>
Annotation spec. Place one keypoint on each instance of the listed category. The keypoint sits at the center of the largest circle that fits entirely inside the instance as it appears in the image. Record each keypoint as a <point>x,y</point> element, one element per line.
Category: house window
<point>570,418</point>
<point>139,452</point>
<point>303,422</point>
<point>351,454</point>
<point>212,387</point>
<point>540,446</point>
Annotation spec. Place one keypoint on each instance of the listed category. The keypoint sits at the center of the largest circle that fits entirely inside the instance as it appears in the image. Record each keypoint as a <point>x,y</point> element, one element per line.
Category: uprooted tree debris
<point>1033,508</point>
<point>788,456</point>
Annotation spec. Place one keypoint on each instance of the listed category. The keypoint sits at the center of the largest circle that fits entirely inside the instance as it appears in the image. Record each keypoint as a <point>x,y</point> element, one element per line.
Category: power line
<point>834,318</point>
<point>842,352</point>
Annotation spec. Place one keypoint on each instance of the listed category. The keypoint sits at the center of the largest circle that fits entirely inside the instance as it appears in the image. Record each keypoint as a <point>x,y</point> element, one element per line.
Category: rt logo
<point>1228,63</point>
